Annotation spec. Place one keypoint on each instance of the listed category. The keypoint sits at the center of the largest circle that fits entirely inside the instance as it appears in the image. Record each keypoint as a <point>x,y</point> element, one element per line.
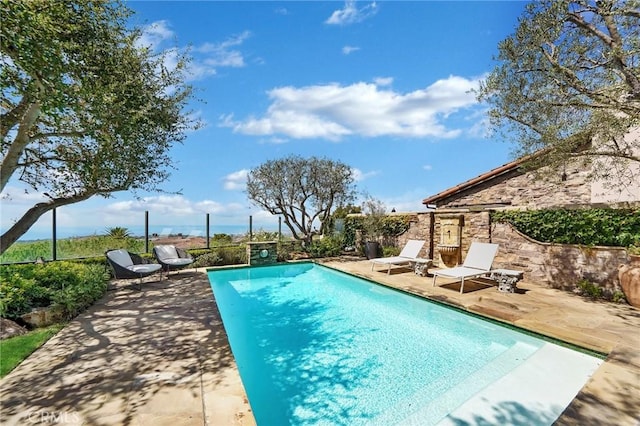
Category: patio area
<point>160,356</point>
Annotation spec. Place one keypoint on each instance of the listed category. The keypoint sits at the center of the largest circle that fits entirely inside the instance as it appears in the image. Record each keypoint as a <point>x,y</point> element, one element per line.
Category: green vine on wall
<point>592,227</point>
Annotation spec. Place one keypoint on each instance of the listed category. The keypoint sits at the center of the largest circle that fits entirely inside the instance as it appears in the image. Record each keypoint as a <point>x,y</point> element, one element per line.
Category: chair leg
<point>434,280</point>
<point>462,286</point>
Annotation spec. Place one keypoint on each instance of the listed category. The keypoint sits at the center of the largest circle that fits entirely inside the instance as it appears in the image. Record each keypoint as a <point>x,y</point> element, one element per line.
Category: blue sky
<point>381,86</point>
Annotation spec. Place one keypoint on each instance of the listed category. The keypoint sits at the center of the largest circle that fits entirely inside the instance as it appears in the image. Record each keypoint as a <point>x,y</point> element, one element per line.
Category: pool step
<point>425,408</point>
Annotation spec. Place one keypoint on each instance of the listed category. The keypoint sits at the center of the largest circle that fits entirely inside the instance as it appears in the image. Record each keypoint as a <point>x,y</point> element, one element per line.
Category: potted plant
<point>629,275</point>
<point>372,226</point>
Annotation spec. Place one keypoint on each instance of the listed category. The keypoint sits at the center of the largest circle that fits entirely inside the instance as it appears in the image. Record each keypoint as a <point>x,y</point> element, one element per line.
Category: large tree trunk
<point>31,216</point>
<point>9,163</point>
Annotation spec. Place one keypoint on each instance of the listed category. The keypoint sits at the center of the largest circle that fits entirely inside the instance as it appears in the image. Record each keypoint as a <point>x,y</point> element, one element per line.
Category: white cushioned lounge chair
<point>127,265</point>
<point>172,257</point>
<point>408,254</point>
<point>477,263</point>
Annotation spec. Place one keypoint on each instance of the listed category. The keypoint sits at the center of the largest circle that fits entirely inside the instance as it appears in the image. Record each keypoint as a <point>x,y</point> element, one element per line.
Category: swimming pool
<point>315,346</point>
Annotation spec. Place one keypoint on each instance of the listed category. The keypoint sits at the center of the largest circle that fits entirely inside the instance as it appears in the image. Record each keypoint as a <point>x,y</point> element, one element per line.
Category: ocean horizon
<point>63,232</point>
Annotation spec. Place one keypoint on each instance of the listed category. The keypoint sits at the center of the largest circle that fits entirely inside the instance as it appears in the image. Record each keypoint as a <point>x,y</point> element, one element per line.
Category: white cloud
<point>223,54</point>
<point>207,58</point>
<point>351,14</point>
<point>359,175</point>
<point>236,181</point>
<point>333,111</point>
<point>383,81</point>
<point>346,50</point>
<point>427,167</point>
<point>154,34</point>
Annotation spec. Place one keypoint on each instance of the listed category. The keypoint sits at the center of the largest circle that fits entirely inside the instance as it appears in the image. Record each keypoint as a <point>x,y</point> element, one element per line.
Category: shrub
<point>327,246</point>
<point>618,297</point>
<point>389,251</point>
<point>207,259</point>
<point>391,226</point>
<point>73,299</point>
<point>68,286</point>
<point>589,289</point>
<point>221,239</point>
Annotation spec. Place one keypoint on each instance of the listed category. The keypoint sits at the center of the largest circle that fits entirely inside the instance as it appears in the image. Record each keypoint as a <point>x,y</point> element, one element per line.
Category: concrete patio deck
<point>160,356</point>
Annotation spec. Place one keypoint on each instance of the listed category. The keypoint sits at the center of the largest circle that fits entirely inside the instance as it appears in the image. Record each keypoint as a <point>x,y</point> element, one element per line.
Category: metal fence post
<point>208,245</point>
<point>279,228</point>
<point>146,231</point>
<point>250,228</point>
<point>54,237</point>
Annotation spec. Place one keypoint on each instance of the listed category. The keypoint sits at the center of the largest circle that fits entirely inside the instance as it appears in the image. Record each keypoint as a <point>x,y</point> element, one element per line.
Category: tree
<point>304,191</point>
<point>85,110</point>
<point>568,85</point>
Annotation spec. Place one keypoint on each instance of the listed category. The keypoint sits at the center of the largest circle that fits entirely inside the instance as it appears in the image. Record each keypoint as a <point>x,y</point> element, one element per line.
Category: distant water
<point>138,231</point>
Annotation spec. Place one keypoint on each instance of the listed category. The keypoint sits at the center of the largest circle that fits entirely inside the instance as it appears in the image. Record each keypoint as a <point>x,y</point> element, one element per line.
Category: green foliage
<point>591,290</point>
<point>90,286</point>
<point>221,240</point>
<point>388,251</point>
<point>69,248</point>
<point>207,259</point>
<point>118,232</point>
<point>326,247</point>
<point>303,190</point>
<point>393,226</point>
<point>390,226</point>
<point>618,297</point>
<point>81,101</point>
<point>286,248</point>
<point>603,227</point>
<point>17,348</point>
<point>262,235</point>
<point>233,255</point>
<point>570,75</point>
<point>69,286</point>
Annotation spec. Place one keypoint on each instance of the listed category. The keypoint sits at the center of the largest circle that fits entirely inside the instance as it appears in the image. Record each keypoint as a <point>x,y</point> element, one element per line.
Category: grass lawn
<point>16,349</point>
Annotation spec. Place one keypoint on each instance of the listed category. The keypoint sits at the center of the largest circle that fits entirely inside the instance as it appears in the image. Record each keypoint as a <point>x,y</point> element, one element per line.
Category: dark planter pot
<point>371,249</point>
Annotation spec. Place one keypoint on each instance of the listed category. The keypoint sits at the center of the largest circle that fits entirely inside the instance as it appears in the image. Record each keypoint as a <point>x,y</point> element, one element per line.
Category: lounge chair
<point>408,254</point>
<point>476,264</point>
<point>127,265</point>
<point>172,257</point>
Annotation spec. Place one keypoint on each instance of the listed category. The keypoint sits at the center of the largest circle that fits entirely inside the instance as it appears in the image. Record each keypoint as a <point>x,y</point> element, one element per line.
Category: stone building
<point>461,214</point>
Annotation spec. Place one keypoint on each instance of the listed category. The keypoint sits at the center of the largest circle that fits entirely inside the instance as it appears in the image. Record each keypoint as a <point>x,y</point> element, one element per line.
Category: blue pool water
<point>315,346</point>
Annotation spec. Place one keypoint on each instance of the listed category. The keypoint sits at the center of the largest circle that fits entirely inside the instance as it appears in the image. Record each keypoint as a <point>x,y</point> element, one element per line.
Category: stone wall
<point>526,190</point>
<point>419,229</point>
<point>557,265</point>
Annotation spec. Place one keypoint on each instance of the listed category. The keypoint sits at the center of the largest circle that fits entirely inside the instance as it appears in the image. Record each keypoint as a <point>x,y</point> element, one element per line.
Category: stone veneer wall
<point>419,229</point>
<point>254,250</point>
<point>526,191</point>
<point>557,265</point>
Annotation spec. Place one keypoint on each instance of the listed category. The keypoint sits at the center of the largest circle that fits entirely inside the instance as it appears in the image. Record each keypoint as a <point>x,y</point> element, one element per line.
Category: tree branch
<point>10,161</point>
<point>32,215</point>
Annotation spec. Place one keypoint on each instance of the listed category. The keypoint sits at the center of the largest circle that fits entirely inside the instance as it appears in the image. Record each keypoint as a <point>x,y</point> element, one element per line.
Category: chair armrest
<point>139,260</point>
<point>183,254</point>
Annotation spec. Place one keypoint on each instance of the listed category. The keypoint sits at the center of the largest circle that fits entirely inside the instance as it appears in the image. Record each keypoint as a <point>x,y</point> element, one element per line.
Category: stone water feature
<point>262,253</point>
<point>450,239</point>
